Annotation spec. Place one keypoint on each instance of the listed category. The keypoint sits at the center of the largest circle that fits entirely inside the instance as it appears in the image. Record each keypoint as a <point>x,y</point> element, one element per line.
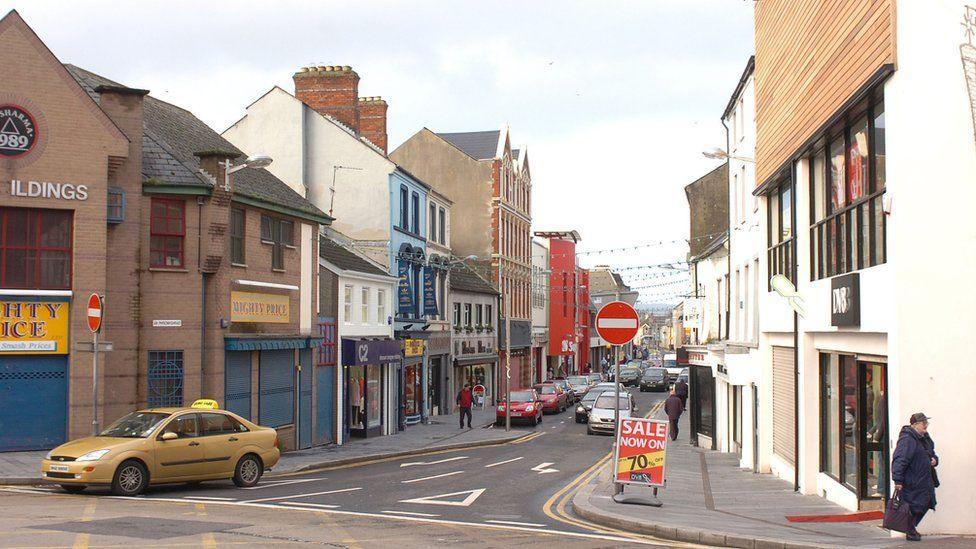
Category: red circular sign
<point>617,323</point>
<point>94,312</point>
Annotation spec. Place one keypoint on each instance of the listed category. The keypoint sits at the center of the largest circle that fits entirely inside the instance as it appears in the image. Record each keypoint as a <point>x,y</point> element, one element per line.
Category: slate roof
<point>464,279</point>
<point>477,145</point>
<point>515,154</point>
<point>346,259</point>
<point>172,135</point>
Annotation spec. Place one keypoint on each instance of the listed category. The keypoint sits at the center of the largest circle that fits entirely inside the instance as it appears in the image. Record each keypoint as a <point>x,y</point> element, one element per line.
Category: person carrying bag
<point>913,472</point>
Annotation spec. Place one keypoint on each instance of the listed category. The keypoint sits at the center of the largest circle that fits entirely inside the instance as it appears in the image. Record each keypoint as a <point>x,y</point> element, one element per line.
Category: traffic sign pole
<point>617,487</point>
<point>95,309</point>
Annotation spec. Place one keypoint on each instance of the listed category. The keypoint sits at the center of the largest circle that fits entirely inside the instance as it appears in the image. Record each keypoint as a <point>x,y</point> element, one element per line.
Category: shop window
<point>829,416</point>
<point>413,391</point>
<point>115,206</point>
<point>780,230</point>
<point>167,229</point>
<point>280,234</point>
<point>363,387</point>
<point>847,229</point>
<point>165,379</point>
<point>35,249</point>
<point>848,380</point>
<point>237,236</point>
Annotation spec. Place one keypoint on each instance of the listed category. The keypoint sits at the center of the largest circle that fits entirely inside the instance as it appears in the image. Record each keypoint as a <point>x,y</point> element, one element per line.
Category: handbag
<point>898,515</point>
<point>935,478</point>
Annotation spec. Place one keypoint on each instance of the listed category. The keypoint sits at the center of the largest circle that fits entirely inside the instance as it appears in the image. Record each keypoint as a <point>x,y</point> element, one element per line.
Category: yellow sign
<point>252,307</point>
<point>413,347</point>
<point>205,403</point>
<point>34,327</point>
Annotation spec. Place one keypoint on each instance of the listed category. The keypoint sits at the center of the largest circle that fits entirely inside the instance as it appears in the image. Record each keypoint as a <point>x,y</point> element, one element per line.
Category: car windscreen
<point>606,401</point>
<point>628,370</point>
<point>595,377</point>
<point>135,425</point>
<point>670,363</point>
<point>577,380</point>
<point>523,396</point>
<point>654,374</point>
<point>594,394</point>
<point>547,390</point>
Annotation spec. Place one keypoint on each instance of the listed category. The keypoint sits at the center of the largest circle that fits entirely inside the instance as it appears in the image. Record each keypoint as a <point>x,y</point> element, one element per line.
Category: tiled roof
<point>464,279</point>
<point>477,145</point>
<point>173,134</point>
<point>346,259</point>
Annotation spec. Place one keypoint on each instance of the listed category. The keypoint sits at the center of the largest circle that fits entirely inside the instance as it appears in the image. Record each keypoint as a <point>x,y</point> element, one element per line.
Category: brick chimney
<point>331,90</point>
<point>372,120</point>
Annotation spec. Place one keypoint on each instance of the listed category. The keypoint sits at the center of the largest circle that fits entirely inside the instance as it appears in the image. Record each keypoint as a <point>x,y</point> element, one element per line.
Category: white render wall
<point>355,327</point>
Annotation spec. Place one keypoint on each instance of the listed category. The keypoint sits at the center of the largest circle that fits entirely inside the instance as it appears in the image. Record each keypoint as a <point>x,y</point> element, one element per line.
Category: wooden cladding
<point>811,57</point>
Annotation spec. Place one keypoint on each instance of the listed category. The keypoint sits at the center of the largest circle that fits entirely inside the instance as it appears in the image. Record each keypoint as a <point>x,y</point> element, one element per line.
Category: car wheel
<point>73,488</point>
<point>589,431</point>
<point>130,479</point>
<point>248,471</point>
<point>540,417</point>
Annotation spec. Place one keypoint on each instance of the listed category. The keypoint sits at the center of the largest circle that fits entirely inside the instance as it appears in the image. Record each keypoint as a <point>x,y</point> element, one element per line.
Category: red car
<point>553,398</point>
<point>525,407</point>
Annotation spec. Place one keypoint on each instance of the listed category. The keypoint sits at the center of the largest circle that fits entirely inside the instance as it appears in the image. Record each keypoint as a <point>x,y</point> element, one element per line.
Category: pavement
<point>708,499</point>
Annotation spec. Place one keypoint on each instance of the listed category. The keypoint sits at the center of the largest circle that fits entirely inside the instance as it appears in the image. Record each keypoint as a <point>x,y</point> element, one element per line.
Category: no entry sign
<point>617,323</point>
<point>94,312</point>
<point>641,448</point>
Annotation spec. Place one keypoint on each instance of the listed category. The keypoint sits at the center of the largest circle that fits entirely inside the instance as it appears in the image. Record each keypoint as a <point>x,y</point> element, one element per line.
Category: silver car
<point>601,416</point>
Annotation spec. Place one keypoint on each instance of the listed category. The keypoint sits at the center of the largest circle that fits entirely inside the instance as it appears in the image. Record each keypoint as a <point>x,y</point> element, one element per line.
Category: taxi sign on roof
<point>205,403</point>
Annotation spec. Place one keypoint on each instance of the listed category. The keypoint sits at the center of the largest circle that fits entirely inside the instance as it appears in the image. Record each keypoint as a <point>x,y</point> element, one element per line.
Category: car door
<point>183,456</point>
<point>221,442</point>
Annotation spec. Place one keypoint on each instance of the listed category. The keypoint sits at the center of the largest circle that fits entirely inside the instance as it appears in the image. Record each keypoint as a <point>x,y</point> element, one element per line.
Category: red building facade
<point>568,305</point>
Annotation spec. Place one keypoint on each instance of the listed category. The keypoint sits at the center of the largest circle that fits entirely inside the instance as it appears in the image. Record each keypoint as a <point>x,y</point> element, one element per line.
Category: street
<point>514,493</point>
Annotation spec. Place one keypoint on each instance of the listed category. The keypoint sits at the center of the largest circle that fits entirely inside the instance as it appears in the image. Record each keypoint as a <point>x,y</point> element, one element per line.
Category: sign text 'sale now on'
<point>641,449</point>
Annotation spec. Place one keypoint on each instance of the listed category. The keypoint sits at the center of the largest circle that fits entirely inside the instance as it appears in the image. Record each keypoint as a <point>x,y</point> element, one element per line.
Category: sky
<point>615,100</point>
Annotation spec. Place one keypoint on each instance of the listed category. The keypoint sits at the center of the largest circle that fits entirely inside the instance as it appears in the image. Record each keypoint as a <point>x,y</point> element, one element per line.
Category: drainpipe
<point>203,293</point>
<point>796,343</point>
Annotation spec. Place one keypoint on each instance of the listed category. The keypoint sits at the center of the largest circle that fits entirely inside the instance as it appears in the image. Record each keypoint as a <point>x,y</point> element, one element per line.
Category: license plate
<point>516,414</point>
<point>58,468</point>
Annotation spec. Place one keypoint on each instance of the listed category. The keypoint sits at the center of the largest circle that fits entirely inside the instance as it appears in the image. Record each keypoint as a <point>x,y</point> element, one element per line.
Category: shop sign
<point>641,448</point>
<point>430,293</point>
<point>845,300</point>
<point>255,307</point>
<point>34,327</point>
<point>439,343</point>
<point>404,288</point>
<point>18,132</point>
<point>413,347</point>
<point>46,189</point>
<point>357,352</point>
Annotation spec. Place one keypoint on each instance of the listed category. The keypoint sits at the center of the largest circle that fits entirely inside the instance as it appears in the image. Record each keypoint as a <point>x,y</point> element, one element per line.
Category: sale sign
<point>641,448</point>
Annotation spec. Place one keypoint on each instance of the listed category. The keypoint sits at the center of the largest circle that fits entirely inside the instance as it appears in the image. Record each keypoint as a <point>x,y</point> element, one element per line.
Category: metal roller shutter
<point>784,412</point>
<point>33,402</point>
<point>276,388</point>
<point>325,403</point>
<point>237,383</point>
<point>305,399</point>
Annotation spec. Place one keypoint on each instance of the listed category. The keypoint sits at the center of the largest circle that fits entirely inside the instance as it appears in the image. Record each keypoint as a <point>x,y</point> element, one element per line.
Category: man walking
<point>681,389</point>
<point>913,470</point>
<point>463,400</point>
<point>673,407</point>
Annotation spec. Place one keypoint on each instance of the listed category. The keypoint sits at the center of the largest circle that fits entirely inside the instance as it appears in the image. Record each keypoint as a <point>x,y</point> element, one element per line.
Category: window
<point>237,236</point>
<point>780,230</point>
<point>829,416</point>
<point>457,315</point>
<point>467,315</point>
<point>432,224</point>
<point>165,379</point>
<point>279,233</point>
<point>380,306</point>
<point>220,424</point>
<point>35,249</point>
<point>847,229</point>
<point>478,318</point>
<point>415,213</point>
<point>115,207</point>
<point>347,303</point>
<point>364,305</point>
<point>735,199</point>
<point>442,227</point>
<point>167,228</point>
<point>404,208</point>
<point>185,426</point>
<point>488,317</point>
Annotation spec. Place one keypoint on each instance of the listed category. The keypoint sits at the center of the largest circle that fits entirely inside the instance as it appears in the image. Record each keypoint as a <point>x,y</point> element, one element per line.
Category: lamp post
<point>256,161</point>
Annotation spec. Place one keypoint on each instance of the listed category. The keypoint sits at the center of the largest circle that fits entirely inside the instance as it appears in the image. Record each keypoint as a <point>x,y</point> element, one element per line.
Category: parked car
<point>601,419</point>
<point>579,384</point>
<point>566,387</point>
<point>165,445</point>
<point>654,379</point>
<point>672,366</point>
<point>553,398</point>
<point>630,376</point>
<point>525,407</point>
<point>586,403</point>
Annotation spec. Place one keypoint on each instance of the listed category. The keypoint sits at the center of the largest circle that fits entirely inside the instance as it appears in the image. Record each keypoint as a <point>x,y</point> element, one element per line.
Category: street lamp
<point>256,161</point>
<point>718,154</point>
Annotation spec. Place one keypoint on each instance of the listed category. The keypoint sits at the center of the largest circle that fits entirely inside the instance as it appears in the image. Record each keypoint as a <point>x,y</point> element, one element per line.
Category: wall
<point>708,198</point>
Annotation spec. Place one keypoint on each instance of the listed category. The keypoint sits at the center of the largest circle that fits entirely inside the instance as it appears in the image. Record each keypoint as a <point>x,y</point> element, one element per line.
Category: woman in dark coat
<point>913,469</point>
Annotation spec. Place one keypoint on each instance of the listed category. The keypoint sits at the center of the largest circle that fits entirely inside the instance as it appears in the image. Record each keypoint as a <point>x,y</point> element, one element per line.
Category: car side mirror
<point>169,435</point>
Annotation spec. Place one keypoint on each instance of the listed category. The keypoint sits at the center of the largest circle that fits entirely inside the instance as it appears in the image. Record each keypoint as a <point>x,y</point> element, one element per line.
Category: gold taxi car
<point>165,445</point>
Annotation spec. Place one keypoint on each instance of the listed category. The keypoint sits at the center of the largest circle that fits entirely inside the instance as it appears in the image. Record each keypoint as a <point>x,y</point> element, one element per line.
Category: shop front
<point>701,398</point>
<point>368,369</point>
<point>477,372</point>
<point>438,374</point>
<point>414,381</point>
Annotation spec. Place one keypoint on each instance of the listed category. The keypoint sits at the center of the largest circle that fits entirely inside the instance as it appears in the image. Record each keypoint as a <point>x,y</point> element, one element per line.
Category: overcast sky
<point>615,99</point>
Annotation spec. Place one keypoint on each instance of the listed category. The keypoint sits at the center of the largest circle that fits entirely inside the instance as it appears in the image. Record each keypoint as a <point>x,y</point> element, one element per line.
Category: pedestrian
<point>673,407</point>
<point>464,400</point>
<point>681,389</point>
<point>913,470</point>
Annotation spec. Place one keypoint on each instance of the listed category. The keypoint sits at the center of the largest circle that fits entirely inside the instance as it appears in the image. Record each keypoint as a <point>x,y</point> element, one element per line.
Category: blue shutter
<point>237,383</point>
<point>305,399</point>
<point>33,402</point>
<point>276,388</point>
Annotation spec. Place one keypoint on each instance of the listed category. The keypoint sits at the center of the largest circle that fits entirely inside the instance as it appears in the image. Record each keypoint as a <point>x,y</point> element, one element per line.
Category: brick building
<point>208,282</point>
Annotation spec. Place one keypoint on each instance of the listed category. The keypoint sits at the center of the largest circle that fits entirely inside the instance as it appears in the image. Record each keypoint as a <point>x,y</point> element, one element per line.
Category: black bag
<point>935,478</point>
<point>898,516</point>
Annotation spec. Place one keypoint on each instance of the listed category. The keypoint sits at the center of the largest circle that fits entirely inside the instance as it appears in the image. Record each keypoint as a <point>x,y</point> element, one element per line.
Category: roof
<point>605,280</point>
<point>464,279</point>
<point>572,234</point>
<point>477,145</point>
<point>346,259</point>
<point>173,134</point>
<point>515,154</point>
<point>750,67</point>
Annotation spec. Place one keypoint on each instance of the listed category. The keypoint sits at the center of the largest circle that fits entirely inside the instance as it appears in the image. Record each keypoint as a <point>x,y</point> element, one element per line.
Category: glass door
<point>873,477</point>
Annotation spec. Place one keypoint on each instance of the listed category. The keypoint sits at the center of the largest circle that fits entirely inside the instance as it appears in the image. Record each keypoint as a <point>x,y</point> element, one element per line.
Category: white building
<point>439,370</point>
<point>474,306</point>
<point>540,307</point>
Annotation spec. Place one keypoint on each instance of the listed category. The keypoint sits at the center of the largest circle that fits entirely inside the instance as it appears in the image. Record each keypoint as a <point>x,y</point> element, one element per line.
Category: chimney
<point>372,120</point>
<point>331,90</point>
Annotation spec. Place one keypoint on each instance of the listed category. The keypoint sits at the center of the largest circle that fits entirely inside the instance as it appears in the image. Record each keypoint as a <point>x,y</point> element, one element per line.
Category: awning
<point>271,343</point>
<point>487,359</point>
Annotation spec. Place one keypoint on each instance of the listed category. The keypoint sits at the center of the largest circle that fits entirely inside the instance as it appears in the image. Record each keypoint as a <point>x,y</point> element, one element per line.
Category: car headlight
<point>529,408</point>
<point>48,454</point>
<point>580,409</point>
<point>93,456</point>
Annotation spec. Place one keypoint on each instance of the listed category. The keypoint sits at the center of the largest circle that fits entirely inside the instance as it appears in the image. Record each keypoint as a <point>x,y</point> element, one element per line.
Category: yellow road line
<point>527,438</point>
<point>82,540</point>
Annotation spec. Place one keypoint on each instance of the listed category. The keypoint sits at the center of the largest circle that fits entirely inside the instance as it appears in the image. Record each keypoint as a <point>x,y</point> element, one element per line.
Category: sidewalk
<point>709,500</point>
<point>442,433</point>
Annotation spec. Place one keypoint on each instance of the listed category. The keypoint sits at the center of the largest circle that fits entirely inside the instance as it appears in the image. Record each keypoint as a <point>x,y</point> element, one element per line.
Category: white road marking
<point>317,505</point>
<point>542,468</point>
<point>209,498</point>
<point>514,523</point>
<point>502,462</point>
<point>432,462</point>
<point>310,494</point>
<point>435,500</point>
<point>409,514</point>
<point>451,474</point>
<point>283,483</point>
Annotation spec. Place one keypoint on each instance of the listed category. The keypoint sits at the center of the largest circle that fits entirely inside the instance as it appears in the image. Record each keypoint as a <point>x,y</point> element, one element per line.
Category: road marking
<point>436,500</point>
<point>293,496</point>
<point>432,462</point>
<point>502,462</point>
<point>208,498</point>
<point>451,474</point>
<point>283,483</point>
<point>82,540</point>
<point>529,437</point>
<point>542,468</point>
<point>316,505</point>
<point>514,523</point>
<point>409,514</point>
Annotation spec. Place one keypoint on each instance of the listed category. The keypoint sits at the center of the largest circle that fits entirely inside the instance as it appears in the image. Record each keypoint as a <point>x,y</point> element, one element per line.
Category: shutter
<point>784,432</point>
<point>276,388</point>
<point>237,383</point>
<point>33,402</point>
<point>305,399</point>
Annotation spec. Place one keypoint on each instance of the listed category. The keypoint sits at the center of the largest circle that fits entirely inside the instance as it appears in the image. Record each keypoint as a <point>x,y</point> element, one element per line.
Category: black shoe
<point>913,536</point>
